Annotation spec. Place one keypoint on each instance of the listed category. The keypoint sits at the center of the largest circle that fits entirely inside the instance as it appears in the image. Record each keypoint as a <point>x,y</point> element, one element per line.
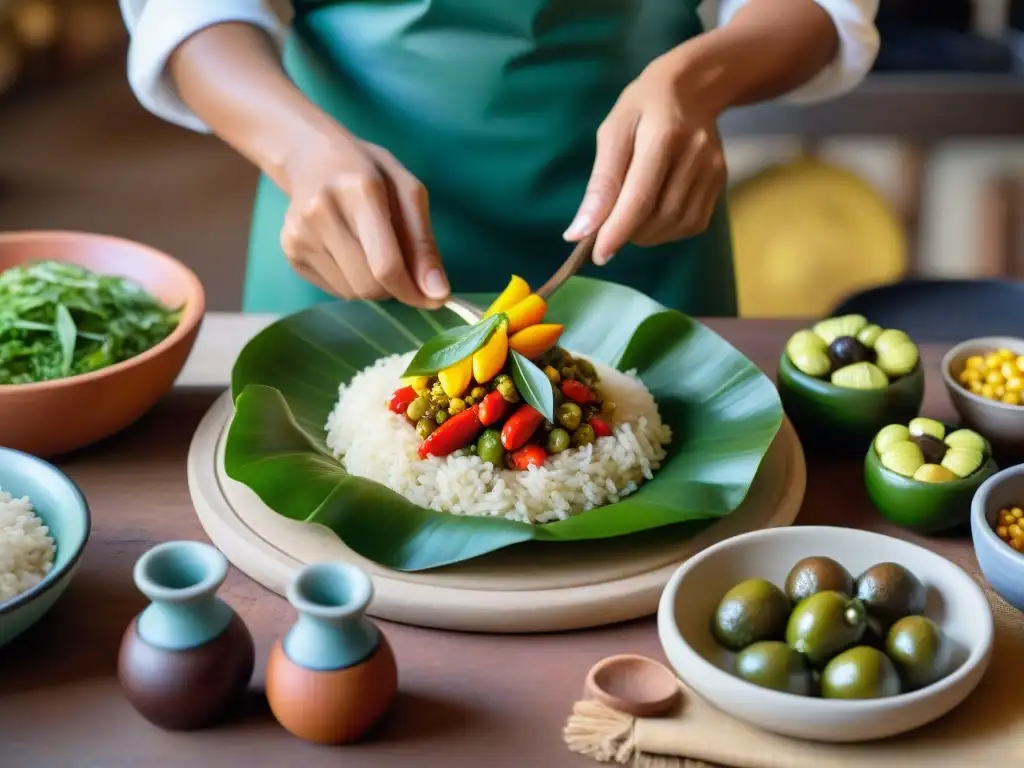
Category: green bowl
<point>843,420</point>
<point>62,507</point>
<point>922,507</point>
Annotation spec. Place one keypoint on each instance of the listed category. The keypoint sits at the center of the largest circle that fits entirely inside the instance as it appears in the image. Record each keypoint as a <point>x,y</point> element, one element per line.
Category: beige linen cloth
<point>987,730</point>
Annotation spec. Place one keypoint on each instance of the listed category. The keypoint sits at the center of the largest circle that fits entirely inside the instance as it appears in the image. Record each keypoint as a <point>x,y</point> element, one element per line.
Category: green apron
<point>493,105</point>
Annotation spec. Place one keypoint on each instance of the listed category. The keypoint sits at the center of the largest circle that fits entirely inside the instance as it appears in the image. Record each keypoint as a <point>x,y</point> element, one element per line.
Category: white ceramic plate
<point>955,603</point>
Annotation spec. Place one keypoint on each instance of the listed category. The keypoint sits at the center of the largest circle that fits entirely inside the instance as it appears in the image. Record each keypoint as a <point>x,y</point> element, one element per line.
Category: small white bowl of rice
<point>44,525</point>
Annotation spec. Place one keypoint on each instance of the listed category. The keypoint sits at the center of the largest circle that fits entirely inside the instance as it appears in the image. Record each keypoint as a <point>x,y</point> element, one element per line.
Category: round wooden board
<point>533,587</point>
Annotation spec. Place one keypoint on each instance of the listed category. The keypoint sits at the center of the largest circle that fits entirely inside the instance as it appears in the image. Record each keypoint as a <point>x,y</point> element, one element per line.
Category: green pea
<point>478,392</point>
<point>585,435</point>
<point>424,427</point>
<point>470,400</point>
<point>569,415</point>
<point>568,372</point>
<point>441,417</point>
<point>417,409</point>
<point>587,369</point>
<point>456,406</point>
<point>558,441</point>
<point>508,390</point>
<point>489,448</point>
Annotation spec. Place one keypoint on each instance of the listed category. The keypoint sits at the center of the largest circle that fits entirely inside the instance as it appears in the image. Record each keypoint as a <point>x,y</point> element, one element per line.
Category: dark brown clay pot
<point>187,659</point>
<point>333,675</point>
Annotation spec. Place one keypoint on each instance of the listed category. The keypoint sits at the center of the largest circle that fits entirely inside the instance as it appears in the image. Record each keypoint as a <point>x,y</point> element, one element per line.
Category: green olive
<point>903,458</point>
<point>417,409</point>
<point>832,328</point>
<point>813,362</point>
<point>552,375</point>
<point>804,341</point>
<point>607,408</point>
<point>439,399</point>
<point>456,406</point>
<point>568,372</point>
<point>441,417</point>
<point>869,334</point>
<point>860,376</point>
<point>470,400</point>
<point>587,369</point>
<point>962,461</point>
<point>585,435</point>
<point>558,440</point>
<point>478,392</point>
<point>569,415</point>
<point>889,436</point>
<point>424,427</point>
<point>966,438</point>
<point>489,448</point>
<point>508,390</point>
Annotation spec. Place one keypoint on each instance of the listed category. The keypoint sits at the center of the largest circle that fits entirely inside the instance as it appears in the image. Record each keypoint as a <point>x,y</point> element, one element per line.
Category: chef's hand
<point>659,167</point>
<point>358,225</point>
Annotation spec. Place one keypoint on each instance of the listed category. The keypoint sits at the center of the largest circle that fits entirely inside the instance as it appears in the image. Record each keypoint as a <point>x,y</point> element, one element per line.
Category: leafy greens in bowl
<point>59,320</point>
<point>723,412</point>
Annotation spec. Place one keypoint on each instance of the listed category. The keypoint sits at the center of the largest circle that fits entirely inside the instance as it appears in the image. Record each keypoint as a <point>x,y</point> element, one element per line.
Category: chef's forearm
<point>230,75</point>
<point>769,48</point>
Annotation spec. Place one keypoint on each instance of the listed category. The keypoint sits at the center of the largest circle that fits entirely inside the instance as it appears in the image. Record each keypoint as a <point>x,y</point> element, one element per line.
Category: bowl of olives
<point>845,378</point>
<point>827,634</point>
<point>923,475</point>
<point>985,382</point>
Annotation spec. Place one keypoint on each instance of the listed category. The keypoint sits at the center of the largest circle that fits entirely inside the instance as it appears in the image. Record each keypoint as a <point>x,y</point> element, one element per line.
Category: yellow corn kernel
<point>975,363</point>
<point>993,360</point>
<point>1006,354</point>
<point>1020,362</point>
<point>1015,532</point>
<point>1015,383</point>
<point>1009,370</point>
<point>1006,518</point>
<point>1017,512</point>
<point>1017,544</point>
<point>1000,390</point>
<point>976,387</point>
<point>988,390</point>
<point>1011,398</point>
<point>995,377</point>
<point>1002,532</point>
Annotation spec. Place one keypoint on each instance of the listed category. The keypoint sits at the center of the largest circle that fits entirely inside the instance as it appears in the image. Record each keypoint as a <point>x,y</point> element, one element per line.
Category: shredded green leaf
<point>59,320</point>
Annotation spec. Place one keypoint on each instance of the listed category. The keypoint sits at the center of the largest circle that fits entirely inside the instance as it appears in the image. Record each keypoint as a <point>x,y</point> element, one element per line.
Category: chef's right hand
<point>358,225</point>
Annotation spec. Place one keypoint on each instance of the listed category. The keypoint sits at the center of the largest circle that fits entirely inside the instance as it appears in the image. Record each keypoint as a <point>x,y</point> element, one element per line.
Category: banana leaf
<point>723,411</point>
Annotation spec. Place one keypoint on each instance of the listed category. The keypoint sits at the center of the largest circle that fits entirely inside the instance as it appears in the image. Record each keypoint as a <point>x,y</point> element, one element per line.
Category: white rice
<point>26,548</point>
<point>374,443</point>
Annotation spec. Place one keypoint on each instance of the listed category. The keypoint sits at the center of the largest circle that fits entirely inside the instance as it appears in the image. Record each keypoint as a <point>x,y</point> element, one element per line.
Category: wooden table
<point>465,699</point>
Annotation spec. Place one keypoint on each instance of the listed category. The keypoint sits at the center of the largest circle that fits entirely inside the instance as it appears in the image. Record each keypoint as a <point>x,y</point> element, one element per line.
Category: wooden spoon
<point>580,255</point>
<point>634,685</point>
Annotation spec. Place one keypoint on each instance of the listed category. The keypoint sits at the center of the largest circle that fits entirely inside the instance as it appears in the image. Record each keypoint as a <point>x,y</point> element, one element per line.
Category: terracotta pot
<point>53,417</point>
<point>333,675</point>
<point>187,658</point>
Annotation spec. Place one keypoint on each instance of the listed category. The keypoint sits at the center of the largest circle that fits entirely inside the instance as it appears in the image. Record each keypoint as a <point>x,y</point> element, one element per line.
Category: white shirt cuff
<point>158,27</point>
<point>858,48</point>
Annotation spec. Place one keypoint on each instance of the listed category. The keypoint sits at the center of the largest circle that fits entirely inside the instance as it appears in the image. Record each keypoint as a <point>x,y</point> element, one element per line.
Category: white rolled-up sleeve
<point>858,48</point>
<point>158,27</point>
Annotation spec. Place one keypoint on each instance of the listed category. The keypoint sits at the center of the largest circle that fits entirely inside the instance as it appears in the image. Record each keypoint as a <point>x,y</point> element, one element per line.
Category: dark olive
<point>846,350</point>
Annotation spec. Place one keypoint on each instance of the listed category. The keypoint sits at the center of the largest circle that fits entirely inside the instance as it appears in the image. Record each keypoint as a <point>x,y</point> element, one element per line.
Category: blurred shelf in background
<point>924,107</point>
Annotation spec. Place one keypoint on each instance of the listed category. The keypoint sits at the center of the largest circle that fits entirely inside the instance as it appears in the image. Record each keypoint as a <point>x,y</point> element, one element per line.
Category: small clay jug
<point>333,675</point>
<point>187,658</point>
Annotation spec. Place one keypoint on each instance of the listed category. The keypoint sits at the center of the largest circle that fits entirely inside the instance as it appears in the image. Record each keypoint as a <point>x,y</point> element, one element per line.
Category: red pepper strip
<point>577,392</point>
<point>600,427</point>
<point>458,432</point>
<point>520,426</point>
<point>400,399</point>
<point>492,408</point>
<point>529,456</point>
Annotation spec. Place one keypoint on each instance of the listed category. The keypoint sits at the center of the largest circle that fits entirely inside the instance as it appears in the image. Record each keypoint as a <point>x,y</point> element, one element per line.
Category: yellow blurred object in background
<point>807,234</point>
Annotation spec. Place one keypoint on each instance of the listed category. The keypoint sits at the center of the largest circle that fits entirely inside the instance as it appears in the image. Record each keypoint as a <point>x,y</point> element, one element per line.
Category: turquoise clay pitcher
<point>186,660</point>
<point>333,675</point>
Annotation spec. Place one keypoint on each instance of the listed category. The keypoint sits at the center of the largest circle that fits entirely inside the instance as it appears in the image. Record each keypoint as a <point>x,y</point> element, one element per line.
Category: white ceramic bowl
<point>688,603</point>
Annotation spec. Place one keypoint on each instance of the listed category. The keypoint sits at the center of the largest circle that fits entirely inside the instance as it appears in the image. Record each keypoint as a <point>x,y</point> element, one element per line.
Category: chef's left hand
<point>659,167</point>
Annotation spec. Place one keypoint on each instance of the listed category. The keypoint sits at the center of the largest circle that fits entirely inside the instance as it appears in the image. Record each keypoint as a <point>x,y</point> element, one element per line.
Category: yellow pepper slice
<point>490,358</point>
<point>419,383</point>
<point>516,290</point>
<point>527,312</point>
<point>534,340</point>
<point>455,379</point>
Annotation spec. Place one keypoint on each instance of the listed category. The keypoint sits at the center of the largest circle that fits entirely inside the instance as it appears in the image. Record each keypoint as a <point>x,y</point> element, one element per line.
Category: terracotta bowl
<point>53,417</point>
<point>1001,424</point>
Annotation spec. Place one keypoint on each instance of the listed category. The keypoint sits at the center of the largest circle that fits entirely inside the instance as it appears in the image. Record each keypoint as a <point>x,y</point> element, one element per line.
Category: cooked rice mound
<point>26,547</point>
<point>374,443</point>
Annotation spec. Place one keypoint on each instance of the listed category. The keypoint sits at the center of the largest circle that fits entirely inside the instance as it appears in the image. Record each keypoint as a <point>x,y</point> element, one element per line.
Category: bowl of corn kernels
<point>997,529</point>
<point>985,381</point>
